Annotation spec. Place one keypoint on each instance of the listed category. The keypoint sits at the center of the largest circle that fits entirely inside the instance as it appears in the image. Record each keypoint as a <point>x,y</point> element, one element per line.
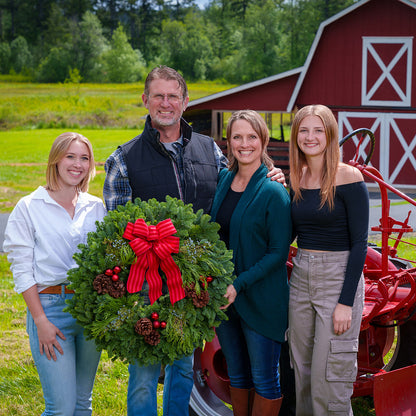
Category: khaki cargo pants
<point>325,364</point>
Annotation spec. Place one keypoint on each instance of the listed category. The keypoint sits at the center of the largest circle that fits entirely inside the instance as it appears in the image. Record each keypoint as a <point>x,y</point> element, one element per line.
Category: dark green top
<point>260,235</point>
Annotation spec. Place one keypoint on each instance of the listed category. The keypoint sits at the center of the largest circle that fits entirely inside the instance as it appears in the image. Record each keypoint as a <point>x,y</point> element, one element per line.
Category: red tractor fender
<point>393,392</point>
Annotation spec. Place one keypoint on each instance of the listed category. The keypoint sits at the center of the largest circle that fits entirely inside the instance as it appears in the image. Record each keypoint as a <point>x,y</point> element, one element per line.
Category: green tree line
<point>119,40</point>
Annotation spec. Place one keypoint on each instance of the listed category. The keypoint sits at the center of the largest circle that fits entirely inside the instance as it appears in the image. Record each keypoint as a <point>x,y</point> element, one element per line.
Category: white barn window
<point>387,71</point>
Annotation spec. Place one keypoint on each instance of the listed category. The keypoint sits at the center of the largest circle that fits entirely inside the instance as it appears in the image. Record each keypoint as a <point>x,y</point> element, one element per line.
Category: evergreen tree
<point>21,58</point>
<point>5,58</point>
<point>186,47</point>
<point>121,62</point>
<point>88,44</point>
<point>55,67</point>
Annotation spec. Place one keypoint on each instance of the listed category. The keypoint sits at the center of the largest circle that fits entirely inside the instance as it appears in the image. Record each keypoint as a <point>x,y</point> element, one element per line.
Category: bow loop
<point>153,246</point>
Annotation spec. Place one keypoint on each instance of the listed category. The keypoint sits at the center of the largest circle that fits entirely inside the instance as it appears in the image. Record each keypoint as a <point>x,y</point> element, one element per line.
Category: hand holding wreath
<point>156,325</point>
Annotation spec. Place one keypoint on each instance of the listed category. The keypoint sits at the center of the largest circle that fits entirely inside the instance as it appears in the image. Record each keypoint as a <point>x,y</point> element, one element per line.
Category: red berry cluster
<point>208,279</point>
<point>156,323</point>
<point>113,273</point>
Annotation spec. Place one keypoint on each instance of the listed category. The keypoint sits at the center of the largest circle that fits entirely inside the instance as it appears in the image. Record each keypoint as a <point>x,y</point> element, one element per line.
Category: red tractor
<point>387,344</point>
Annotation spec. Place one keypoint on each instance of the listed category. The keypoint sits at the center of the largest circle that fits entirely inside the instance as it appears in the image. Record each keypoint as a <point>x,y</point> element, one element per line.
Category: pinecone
<point>190,290</point>
<point>102,283</point>
<point>153,338</point>
<point>117,289</point>
<point>201,300</point>
<point>143,326</point>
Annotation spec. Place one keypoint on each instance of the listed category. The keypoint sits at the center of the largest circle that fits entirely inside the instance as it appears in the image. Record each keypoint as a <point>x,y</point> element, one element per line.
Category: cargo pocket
<point>342,360</point>
<point>339,408</point>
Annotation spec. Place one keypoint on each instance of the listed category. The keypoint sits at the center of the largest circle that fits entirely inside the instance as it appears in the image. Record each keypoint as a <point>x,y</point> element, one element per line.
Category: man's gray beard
<point>166,124</point>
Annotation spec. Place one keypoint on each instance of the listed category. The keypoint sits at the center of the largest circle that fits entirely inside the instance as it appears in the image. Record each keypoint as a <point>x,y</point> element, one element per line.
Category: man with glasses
<point>167,158</point>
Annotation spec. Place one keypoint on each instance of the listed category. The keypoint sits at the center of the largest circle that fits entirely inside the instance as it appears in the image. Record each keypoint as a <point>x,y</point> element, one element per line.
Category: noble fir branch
<point>176,324</point>
<point>118,251</point>
<point>113,322</point>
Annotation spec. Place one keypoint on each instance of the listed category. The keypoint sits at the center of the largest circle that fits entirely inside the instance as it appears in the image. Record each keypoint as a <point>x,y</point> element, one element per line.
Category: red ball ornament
<point>154,316</point>
<point>115,277</point>
<point>156,324</point>
<point>163,325</point>
<point>117,269</point>
<point>209,279</point>
<point>108,272</point>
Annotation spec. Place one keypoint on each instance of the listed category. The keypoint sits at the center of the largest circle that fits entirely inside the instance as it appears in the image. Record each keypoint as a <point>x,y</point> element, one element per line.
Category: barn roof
<point>269,94</point>
<point>323,25</point>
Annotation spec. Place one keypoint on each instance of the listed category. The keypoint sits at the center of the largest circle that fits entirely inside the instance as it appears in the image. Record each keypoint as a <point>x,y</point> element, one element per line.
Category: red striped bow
<point>153,245</point>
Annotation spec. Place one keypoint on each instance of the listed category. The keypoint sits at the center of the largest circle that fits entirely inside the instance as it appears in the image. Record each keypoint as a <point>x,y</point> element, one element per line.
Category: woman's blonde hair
<point>331,153</point>
<point>58,150</point>
<point>259,126</point>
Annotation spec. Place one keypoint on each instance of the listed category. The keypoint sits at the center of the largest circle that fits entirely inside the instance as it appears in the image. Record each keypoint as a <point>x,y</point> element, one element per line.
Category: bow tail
<point>173,279</point>
<point>136,276</point>
<point>153,278</point>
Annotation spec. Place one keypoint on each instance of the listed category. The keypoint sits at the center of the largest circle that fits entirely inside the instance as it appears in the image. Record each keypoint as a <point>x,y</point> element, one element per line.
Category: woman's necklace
<point>238,187</point>
<point>239,184</point>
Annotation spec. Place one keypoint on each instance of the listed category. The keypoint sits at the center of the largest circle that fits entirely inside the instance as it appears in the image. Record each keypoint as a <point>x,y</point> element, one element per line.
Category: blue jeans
<point>67,383</point>
<point>142,389</point>
<point>252,359</point>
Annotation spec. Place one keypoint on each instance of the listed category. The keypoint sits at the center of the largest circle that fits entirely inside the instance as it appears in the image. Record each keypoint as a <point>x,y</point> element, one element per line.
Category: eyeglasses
<point>172,98</point>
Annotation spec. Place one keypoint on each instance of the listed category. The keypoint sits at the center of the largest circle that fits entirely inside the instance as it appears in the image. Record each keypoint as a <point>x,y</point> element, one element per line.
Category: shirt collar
<point>170,146</point>
<point>42,193</point>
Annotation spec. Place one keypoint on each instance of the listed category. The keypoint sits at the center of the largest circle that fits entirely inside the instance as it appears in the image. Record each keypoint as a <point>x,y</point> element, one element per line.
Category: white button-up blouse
<point>41,238</point>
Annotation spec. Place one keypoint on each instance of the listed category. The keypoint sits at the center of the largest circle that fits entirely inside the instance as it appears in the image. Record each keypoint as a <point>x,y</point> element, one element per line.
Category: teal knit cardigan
<point>260,236</point>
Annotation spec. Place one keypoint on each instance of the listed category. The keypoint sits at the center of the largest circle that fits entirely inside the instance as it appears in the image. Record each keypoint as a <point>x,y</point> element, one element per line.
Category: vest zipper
<point>178,180</point>
<point>175,169</point>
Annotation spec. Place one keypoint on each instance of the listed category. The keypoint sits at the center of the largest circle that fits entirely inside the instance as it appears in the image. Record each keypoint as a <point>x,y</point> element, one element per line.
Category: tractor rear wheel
<point>204,402</point>
<point>404,349</point>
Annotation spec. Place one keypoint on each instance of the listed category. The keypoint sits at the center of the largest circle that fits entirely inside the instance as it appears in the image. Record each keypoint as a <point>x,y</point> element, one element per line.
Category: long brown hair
<point>331,153</point>
<point>58,150</point>
<point>259,126</point>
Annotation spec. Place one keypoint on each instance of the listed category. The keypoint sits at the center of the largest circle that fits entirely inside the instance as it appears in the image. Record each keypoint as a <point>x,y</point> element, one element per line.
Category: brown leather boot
<point>252,393</point>
<point>242,401</point>
<point>266,407</point>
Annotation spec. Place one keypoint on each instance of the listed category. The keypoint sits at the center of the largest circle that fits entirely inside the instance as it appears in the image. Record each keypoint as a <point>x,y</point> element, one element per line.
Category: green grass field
<point>27,105</point>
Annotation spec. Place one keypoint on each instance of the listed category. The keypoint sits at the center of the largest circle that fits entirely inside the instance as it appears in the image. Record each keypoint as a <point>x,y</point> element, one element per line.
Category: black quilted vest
<point>152,171</point>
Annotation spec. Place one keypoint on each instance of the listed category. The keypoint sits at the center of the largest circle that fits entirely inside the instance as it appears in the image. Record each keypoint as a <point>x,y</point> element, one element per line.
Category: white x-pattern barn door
<point>386,82</point>
<point>395,143</point>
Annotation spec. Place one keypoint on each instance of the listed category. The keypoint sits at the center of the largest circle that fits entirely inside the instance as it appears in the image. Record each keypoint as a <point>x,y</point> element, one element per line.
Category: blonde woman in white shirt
<point>41,236</point>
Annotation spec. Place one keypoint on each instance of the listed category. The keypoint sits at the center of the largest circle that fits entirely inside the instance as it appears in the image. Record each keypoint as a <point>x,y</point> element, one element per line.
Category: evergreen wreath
<point>124,323</point>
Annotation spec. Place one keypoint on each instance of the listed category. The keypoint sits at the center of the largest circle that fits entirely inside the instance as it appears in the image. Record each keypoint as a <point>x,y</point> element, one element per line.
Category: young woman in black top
<point>330,211</point>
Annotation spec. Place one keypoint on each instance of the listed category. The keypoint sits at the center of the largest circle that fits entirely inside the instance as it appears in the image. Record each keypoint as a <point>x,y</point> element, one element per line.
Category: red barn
<point>361,65</point>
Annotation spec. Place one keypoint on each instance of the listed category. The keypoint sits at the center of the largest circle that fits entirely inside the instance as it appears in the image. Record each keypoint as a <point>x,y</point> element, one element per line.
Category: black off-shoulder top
<point>343,228</point>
